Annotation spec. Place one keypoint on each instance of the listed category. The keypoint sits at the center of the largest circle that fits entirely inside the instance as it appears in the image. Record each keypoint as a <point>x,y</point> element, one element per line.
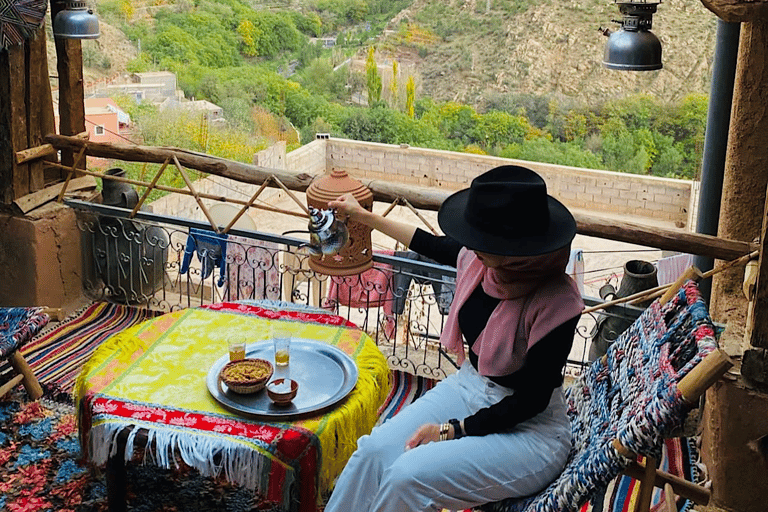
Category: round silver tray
<point>325,374</point>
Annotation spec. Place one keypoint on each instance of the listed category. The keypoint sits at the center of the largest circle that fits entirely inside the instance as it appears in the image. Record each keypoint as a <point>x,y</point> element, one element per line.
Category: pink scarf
<point>534,290</point>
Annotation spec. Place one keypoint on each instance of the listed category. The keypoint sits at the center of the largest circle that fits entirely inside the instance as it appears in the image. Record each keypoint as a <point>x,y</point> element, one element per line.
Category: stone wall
<point>596,191</point>
<point>592,191</point>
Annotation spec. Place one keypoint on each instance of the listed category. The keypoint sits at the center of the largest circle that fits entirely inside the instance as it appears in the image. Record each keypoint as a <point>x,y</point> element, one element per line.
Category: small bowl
<point>281,397</point>
<point>246,375</point>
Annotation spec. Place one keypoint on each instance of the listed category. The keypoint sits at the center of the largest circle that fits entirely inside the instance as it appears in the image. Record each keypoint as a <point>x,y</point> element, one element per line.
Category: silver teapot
<point>327,234</point>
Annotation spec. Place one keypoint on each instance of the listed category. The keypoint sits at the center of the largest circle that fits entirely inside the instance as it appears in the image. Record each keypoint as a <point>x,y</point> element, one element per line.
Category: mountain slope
<point>552,48</point>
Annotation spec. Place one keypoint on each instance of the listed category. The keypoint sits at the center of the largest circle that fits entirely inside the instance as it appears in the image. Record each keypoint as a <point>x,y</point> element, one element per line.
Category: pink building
<point>105,121</point>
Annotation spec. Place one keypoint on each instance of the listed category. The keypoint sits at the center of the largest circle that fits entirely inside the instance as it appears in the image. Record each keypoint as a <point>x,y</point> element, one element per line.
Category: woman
<point>497,428</point>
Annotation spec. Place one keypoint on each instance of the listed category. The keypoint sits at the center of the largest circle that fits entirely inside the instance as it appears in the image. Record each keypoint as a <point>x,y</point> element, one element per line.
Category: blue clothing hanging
<point>211,249</point>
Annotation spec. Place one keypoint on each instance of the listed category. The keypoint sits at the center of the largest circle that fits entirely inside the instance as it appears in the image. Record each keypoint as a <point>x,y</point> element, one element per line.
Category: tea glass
<point>236,346</point>
<point>282,341</point>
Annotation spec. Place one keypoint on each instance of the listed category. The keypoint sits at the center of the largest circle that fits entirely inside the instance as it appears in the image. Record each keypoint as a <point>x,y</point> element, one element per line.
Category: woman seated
<point>498,427</point>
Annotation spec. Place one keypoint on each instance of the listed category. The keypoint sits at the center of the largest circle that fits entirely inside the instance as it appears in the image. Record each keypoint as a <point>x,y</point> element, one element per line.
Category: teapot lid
<point>320,219</point>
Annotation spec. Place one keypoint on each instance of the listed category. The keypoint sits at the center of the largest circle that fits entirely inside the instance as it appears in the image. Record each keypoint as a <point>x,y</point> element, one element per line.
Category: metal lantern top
<point>633,47</point>
<point>76,21</point>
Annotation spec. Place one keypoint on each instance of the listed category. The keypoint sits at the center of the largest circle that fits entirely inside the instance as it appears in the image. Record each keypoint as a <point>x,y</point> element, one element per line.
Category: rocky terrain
<point>555,48</point>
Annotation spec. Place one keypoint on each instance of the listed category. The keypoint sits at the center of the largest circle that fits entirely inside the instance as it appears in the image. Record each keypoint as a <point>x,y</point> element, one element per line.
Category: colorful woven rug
<point>57,355</point>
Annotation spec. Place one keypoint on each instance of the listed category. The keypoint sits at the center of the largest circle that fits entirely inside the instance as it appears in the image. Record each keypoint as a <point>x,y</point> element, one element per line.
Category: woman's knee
<point>376,447</point>
<point>409,472</point>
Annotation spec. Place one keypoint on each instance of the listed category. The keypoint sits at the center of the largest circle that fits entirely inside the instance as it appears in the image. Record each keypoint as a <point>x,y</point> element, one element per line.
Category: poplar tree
<point>373,78</point>
<point>410,96</point>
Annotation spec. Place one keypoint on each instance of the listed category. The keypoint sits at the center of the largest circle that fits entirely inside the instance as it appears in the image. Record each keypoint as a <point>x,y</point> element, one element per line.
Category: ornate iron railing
<point>168,263</point>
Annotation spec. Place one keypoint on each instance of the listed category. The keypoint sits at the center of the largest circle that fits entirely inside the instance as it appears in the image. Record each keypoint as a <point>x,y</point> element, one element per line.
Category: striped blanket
<point>57,354</point>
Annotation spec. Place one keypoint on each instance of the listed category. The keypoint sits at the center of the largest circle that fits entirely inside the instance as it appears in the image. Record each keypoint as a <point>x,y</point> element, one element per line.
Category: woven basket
<point>232,375</point>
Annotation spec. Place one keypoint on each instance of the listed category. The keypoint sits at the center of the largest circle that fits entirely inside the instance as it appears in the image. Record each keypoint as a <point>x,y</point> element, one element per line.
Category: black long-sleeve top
<point>542,369</point>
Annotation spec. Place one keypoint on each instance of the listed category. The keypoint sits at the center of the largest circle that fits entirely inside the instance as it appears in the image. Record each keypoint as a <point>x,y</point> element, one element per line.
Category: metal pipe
<point>716,139</point>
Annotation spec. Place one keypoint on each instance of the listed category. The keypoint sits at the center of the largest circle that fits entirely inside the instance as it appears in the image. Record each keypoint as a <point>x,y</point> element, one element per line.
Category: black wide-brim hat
<point>507,211</point>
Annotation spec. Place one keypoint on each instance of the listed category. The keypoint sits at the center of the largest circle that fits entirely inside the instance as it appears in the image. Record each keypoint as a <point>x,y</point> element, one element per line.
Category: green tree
<point>373,78</point>
<point>410,96</point>
<point>455,121</point>
<point>393,85</point>
<point>496,129</point>
<point>247,32</point>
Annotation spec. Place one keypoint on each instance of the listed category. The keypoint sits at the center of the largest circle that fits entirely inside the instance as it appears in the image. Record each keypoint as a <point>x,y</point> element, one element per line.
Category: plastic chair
<point>625,404</point>
<point>17,327</point>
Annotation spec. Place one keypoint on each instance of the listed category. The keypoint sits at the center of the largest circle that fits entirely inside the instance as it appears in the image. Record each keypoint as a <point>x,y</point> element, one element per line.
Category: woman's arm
<point>348,205</point>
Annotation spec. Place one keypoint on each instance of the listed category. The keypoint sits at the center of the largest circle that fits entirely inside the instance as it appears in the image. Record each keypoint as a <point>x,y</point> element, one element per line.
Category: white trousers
<point>382,476</point>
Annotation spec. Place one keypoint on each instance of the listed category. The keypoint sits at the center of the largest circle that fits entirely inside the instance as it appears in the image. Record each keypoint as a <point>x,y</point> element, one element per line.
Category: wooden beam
<point>7,164</point>
<point>425,198</point>
<point>34,153</point>
<point>190,159</point>
<point>183,191</point>
<point>30,381</point>
<point>756,330</point>
<point>703,375</point>
<point>737,11</point>
<point>647,483</point>
<point>667,239</point>
<point>688,490</point>
<point>35,103</point>
<point>17,117</point>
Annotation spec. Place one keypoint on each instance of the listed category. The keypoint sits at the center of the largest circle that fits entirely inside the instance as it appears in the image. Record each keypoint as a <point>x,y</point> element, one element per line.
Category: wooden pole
<point>149,189</point>
<point>688,490</point>
<point>704,374</point>
<point>647,483</point>
<point>671,289</point>
<point>199,201</point>
<point>69,64</point>
<point>178,190</point>
<point>425,198</point>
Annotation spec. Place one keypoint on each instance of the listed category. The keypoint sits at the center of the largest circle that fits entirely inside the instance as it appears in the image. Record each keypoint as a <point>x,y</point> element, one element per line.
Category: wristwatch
<point>457,432</point>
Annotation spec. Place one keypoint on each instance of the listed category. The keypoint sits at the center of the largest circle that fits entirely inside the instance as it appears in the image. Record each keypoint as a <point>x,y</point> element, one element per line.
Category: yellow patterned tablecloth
<point>153,377</point>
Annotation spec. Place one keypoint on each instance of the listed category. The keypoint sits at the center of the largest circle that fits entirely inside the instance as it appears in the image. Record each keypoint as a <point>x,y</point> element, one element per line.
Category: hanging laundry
<point>211,250</point>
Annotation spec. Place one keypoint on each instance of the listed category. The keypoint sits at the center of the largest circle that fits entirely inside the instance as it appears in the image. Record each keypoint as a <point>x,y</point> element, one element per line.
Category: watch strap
<point>457,431</point>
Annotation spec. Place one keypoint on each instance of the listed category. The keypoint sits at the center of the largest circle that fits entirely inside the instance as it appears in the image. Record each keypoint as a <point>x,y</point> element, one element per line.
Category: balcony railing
<point>168,263</point>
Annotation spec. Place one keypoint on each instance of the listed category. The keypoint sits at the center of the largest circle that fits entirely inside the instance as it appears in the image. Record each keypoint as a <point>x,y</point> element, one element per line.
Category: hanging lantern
<point>357,255</point>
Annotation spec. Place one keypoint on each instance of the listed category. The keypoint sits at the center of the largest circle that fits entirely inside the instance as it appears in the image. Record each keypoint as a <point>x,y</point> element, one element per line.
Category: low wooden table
<point>146,388</point>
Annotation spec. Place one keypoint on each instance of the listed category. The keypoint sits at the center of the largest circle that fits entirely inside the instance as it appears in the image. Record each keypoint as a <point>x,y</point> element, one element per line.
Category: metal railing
<point>168,263</point>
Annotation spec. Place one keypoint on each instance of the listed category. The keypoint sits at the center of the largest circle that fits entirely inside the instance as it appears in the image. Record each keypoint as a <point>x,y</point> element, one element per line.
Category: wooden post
<point>69,64</point>
<point>30,381</point>
<point>755,362</point>
<point>36,60</point>
<point>13,123</point>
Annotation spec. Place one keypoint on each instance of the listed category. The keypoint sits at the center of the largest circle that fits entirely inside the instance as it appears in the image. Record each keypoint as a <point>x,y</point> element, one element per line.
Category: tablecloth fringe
<point>239,462</point>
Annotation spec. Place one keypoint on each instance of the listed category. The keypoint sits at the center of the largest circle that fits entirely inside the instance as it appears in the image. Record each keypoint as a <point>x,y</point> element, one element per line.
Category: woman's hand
<point>348,206</point>
<point>426,434</point>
